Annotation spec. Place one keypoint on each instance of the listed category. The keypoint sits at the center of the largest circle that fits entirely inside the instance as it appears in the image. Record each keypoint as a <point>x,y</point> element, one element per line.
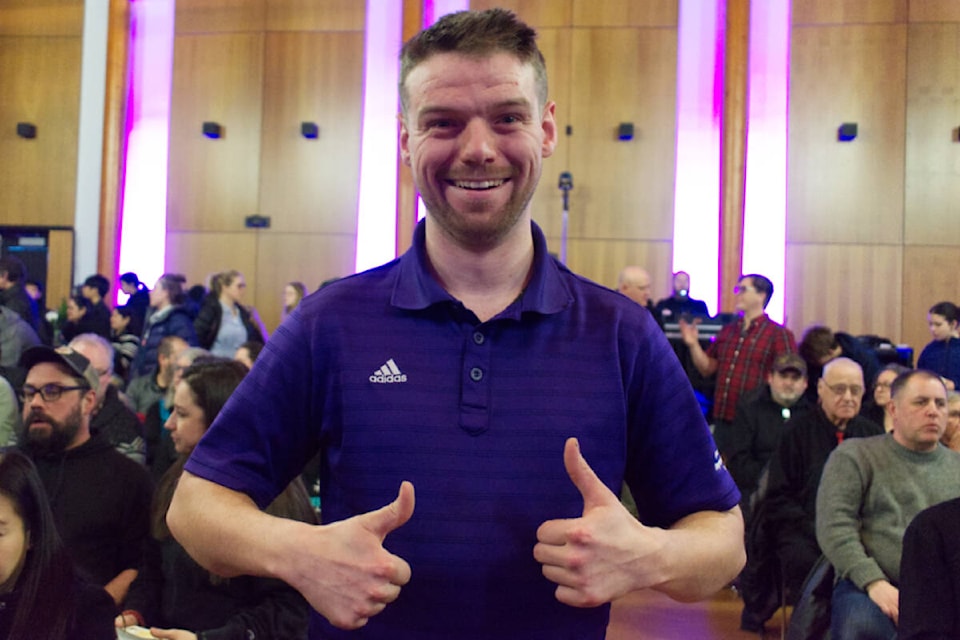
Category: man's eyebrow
<point>522,103</point>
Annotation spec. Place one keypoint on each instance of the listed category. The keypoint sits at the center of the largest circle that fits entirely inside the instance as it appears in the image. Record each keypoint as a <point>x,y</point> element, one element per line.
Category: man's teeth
<point>485,184</point>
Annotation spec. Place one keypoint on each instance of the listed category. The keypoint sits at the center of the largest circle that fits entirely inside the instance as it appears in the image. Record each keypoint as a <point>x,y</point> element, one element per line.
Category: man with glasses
<point>100,498</point>
<point>742,355</point>
<point>795,467</point>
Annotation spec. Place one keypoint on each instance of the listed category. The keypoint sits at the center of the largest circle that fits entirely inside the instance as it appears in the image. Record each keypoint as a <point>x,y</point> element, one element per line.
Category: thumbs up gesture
<point>603,554</point>
<point>346,574</point>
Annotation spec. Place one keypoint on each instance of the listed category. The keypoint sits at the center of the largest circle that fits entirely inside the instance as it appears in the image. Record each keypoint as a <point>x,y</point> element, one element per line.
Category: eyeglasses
<point>49,392</point>
<point>841,389</point>
<point>745,288</point>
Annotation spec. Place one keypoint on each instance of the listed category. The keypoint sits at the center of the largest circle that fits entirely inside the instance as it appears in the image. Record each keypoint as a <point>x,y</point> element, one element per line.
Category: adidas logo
<point>388,373</point>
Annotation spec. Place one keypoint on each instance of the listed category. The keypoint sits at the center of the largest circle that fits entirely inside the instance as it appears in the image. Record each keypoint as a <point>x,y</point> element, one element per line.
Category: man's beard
<point>55,440</point>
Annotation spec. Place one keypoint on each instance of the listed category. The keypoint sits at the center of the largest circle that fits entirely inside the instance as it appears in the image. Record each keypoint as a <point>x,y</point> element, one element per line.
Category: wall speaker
<point>847,132</point>
<point>212,130</point>
<point>625,131</point>
<point>26,130</point>
<point>309,130</point>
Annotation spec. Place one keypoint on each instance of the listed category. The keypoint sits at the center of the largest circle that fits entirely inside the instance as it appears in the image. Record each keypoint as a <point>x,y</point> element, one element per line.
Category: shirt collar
<point>546,293</point>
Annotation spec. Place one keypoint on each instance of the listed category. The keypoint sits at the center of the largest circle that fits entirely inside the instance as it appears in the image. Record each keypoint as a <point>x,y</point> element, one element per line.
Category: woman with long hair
<point>293,293</point>
<point>178,598</point>
<point>224,322</point>
<point>41,596</point>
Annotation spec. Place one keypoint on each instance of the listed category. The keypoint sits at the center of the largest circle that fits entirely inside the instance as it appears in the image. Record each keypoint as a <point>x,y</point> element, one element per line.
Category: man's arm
<point>706,365</point>
<point>120,585</point>
<point>341,569</point>
<point>606,553</point>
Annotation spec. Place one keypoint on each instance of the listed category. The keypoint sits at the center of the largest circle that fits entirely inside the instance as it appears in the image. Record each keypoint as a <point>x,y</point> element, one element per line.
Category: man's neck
<point>485,280</point>
<point>750,316</point>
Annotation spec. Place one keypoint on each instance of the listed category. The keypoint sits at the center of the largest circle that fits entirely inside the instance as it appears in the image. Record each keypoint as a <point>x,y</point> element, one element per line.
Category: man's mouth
<point>476,185</point>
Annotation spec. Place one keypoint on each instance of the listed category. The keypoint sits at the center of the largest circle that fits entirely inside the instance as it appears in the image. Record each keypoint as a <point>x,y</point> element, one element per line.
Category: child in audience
<point>942,355</point>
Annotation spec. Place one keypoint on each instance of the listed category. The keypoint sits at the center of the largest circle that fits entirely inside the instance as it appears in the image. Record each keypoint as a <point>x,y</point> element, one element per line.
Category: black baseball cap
<point>73,360</point>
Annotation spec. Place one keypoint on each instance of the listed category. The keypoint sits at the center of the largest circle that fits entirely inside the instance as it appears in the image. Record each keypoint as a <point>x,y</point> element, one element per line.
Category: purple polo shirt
<point>395,380</point>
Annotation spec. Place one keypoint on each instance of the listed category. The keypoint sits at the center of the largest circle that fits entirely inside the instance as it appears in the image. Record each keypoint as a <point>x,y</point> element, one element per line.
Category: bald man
<point>634,282</point>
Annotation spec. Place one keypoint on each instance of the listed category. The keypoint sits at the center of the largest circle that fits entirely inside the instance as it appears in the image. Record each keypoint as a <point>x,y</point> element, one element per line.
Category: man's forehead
<point>45,372</point>
<point>923,387</point>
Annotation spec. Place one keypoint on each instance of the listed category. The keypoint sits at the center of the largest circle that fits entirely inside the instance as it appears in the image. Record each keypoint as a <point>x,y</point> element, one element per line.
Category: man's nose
<point>477,142</point>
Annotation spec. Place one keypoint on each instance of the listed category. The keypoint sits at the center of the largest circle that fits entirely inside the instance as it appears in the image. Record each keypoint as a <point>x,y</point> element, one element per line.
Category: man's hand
<point>887,597</point>
<point>601,555</point>
<point>689,332</point>
<point>343,570</point>
<point>172,634</point>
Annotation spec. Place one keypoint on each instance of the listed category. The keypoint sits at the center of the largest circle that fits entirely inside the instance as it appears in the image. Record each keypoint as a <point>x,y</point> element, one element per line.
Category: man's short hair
<point>817,343</point>
<point>762,284</point>
<point>475,33</point>
<point>13,268</point>
<point>904,378</point>
<point>98,342</point>
<point>167,345</point>
<point>98,282</point>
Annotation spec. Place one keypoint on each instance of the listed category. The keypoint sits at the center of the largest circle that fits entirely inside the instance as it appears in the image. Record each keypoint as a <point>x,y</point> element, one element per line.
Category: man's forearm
<point>706,365</point>
<point>120,585</point>
<point>704,554</point>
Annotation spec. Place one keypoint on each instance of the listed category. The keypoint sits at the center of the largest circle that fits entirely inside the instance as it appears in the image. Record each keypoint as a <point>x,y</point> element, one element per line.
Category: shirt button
<point>476,374</point>
<point>478,337</point>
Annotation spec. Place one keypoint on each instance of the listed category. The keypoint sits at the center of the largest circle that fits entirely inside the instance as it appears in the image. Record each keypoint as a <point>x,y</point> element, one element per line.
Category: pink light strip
<point>143,213</point>
<point>700,63</point>
<point>765,198</point>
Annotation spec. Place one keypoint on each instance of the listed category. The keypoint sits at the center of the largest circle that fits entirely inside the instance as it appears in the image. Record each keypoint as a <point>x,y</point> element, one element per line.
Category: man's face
<point>841,391</point>
<point>681,284</point>
<point>919,413</point>
<point>166,365</point>
<point>53,427</point>
<point>90,293</point>
<point>746,296</point>
<point>787,387</point>
<point>953,419</point>
<point>636,286</point>
<point>475,136</point>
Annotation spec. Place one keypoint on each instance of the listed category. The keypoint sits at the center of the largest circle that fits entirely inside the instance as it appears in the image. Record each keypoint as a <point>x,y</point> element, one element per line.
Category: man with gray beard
<point>100,498</point>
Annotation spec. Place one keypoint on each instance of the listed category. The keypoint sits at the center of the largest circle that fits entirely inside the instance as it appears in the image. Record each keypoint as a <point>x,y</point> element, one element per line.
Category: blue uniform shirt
<point>395,380</point>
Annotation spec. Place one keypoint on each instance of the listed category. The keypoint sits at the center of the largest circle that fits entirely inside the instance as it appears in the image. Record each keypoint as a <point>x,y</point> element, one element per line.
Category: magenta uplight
<point>765,197</point>
<point>696,226</point>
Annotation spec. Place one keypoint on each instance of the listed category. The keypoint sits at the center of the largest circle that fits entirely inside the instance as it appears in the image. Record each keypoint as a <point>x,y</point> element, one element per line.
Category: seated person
<point>820,345</point>
<point>875,405</point>
<point>870,490</point>
<point>951,435</point>
<point>172,591</point>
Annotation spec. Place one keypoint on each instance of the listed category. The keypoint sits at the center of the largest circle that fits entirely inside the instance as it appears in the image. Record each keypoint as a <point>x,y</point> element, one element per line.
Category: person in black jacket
<point>173,593</point>
<point>138,302</point>
<point>13,295</point>
<point>224,323</point>
<point>42,597</point>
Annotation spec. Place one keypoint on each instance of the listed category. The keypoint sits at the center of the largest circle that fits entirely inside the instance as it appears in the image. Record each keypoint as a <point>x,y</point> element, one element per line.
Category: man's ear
<point>404,141</point>
<point>549,126</point>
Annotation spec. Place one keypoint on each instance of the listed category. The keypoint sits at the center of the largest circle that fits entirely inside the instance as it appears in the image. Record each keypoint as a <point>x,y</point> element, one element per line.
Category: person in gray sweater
<point>870,490</point>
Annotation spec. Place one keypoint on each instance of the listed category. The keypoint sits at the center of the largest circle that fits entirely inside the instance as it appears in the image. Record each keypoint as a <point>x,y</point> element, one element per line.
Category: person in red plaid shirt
<point>742,355</point>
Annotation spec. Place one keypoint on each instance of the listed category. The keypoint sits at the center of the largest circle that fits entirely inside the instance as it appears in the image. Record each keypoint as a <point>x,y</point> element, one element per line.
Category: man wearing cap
<point>761,414</point>
<point>797,463</point>
<point>100,498</point>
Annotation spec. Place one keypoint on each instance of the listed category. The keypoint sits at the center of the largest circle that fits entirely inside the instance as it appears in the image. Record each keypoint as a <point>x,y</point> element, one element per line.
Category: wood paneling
<point>59,267</point>
<point>846,192</point>
<point>213,184</point>
<point>625,13</point>
<point>807,12</point>
<point>932,210</point>
<point>601,261</point>
<point>934,11</point>
<point>47,18</point>
<point>854,288</point>
<point>315,15</point>
<point>537,13</point>
<point>930,277</point>
<point>220,16</point>
<point>39,84</point>
<point>200,255</point>
<point>307,258</point>
<point>623,189</point>
<point>311,185</point>
<point>547,203</point>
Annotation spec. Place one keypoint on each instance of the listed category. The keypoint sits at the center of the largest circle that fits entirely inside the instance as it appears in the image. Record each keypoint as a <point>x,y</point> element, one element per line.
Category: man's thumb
<point>594,492</point>
<point>394,515</point>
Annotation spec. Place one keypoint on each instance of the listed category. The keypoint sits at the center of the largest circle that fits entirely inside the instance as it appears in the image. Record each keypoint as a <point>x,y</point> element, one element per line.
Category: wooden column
<point>406,191</point>
<point>114,142</point>
<point>733,146</point>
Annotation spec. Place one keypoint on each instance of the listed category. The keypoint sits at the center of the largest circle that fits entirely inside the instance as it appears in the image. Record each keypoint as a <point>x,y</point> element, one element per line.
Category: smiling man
<point>871,489</point>
<point>513,395</point>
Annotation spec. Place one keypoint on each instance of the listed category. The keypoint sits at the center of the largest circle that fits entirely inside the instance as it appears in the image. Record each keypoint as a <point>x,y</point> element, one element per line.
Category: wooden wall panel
<point>307,258</point>
<point>315,15</point>
<point>932,210</point>
<point>39,84</point>
<point>59,266</point>
<point>846,192</point>
<point>930,277</point>
<point>198,255</point>
<point>47,18</point>
<point>537,13</point>
<point>311,185</point>
<point>602,260</point>
<point>213,184</point>
<point>807,12</point>
<point>625,13</point>
<point>623,189</point>
<point>220,16</point>
<point>934,11</point>
<point>854,288</point>
<point>547,203</point>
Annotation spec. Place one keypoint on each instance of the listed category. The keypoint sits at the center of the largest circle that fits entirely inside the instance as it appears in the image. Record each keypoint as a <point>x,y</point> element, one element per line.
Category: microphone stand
<point>565,185</point>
